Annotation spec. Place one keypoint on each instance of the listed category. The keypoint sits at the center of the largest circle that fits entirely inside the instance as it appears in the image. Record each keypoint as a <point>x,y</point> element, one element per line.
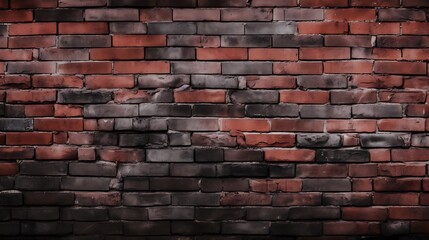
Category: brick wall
<point>262,118</point>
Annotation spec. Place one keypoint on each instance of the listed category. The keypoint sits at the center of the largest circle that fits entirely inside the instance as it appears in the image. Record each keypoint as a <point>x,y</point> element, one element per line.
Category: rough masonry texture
<point>214,119</point>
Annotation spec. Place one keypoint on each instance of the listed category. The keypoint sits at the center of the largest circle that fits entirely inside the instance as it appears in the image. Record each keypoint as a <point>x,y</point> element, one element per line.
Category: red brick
<point>380,54</point>
<point>374,28</point>
<point>130,96</point>
<point>156,15</point>
<point>14,81</point>
<point>270,140</point>
<point>85,68</point>
<point>351,126</point>
<point>304,97</point>
<point>29,138</point>
<point>286,155</point>
<point>83,28</point>
<point>415,54</point>
<point>297,125</point>
<point>368,81</point>
<point>55,124</point>
<point>142,67</point>
<point>410,155</point>
<point>86,154</point>
<point>324,3</point>
<point>270,82</point>
<point>364,213</point>
<point>221,53</point>
<point>321,171</point>
<point>348,67</point>
<point>297,199</point>
<point>196,14</point>
<point>139,41</point>
<point>283,185</point>
<point>68,111</point>
<point>416,82</point>
<point>402,97</point>
<point>396,198</point>
<point>56,153</point>
<point>48,81</point>
<point>363,170</point>
<point>245,199</point>
<point>33,4</point>
<point>375,3</point>
<point>324,53</point>
<point>109,81</point>
<point>32,42</point>
<point>4,3</point>
<point>8,168</point>
<point>406,68</point>
<point>402,125</point>
<point>45,110</point>
<point>351,140</point>
<point>323,27</point>
<point>274,3</point>
<point>401,170</point>
<point>16,16</point>
<point>198,96</point>
<point>351,14</point>
<point>247,125</point>
<point>33,29</point>
<point>31,96</point>
<point>60,137</point>
<point>275,54</point>
<point>297,68</point>
<point>362,185</point>
<point>121,155</point>
<point>415,28</point>
<point>409,213</point>
<point>116,53</point>
<point>418,110</point>
<point>15,55</point>
<point>13,153</point>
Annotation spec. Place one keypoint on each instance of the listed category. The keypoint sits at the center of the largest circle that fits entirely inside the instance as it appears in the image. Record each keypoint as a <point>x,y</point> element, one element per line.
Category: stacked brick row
<point>196,119</point>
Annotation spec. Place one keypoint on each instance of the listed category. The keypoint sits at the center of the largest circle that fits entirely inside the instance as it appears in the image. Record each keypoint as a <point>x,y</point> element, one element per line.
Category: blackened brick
<point>215,214</point>
<point>291,40</point>
<point>147,228</point>
<point>254,96</point>
<point>169,155</point>
<point>208,155</point>
<point>163,81</point>
<point>267,213</point>
<point>297,228</point>
<point>125,213</point>
<point>64,15</point>
<point>191,228</point>
<point>347,199</point>
<point>266,110</point>
<point>131,3</point>
<point>149,109</point>
<point>111,15</point>
<point>271,28</point>
<point>304,213</point>
<point>16,124</point>
<point>11,198</point>
<point>84,214</point>
<point>220,28</point>
<point>171,213</point>
<point>217,110</point>
<point>46,228</point>
<point>241,170</point>
<point>111,110</point>
<point>85,183</point>
<point>146,199</point>
<point>49,198</point>
<point>236,155</point>
<point>318,140</point>
<point>280,171</point>
<point>195,199</point>
<point>128,28</point>
<point>324,82</point>
<point>257,228</point>
<point>385,140</point>
<point>103,228</point>
<point>241,68</point>
<point>174,184</point>
<point>170,53</point>
<point>172,28</point>
<point>73,96</point>
<point>92,169</point>
<point>342,156</point>
<point>84,41</point>
<point>43,168</point>
<point>191,170</point>
<point>377,111</point>
<point>224,184</point>
<point>214,81</point>
<point>246,41</point>
<point>136,184</point>
<point>37,183</point>
<point>326,185</point>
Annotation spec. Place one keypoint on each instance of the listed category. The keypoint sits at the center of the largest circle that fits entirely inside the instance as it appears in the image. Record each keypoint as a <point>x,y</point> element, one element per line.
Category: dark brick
<point>192,170</point>
<point>46,228</point>
<point>401,15</point>
<point>230,110</point>
<point>37,183</point>
<point>163,81</point>
<point>93,169</point>
<point>243,170</point>
<point>325,111</point>
<point>127,28</point>
<point>172,53</point>
<point>297,41</point>
<point>266,110</point>
<point>10,198</point>
<point>342,156</point>
<point>255,96</point>
<point>124,213</point>
<point>222,3</point>
<point>247,228</point>
<point>385,140</point>
<point>245,41</point>
<point>224,184</point>
<point>14,153</point>
<point>149,109</point>
<point>111,15</point>
<point>171,213</point>
<point>16,124</point>
<point>195,124</point>
<point>326,185</point>
<point>7,182</point>
<point>84,41</point>
<point>403,41</point>
<point>304,213</point>
<point>172,28</point>
<point>85,183</point>
<point>297,228</point>
<point>191,228</point>
<point>111,110</point>
<point>216,214</point>
<point>49,198</point>
<point>267,213</point>
<point>271,28</point>
<point>395,228</point>
<point>377,111</point>
<point>213,139</point>
<point>104,228</point>
<point>235,155</point>
<point>220,28</point>
<point>43,168</point>
<point>84,214</point>
<point>347,199</point>
<point>147,228</point>
<point>131,3</point>
<point>208,155</point>
<point>323,82</point>
<point>281,171</point>
<point>5,214</point>
<point>214,81</point>
<point>195,199</point>
<point>143,169</point>
<point>76,96</point>
<point>174,184</point>
<point>170,155</point>
<point>53,15</point>
<point>136,183</point>
<point>242,68</point>
<point>179,139</point>
<point>9,228</point>
<point>146,199</point>
<point>318,140</point>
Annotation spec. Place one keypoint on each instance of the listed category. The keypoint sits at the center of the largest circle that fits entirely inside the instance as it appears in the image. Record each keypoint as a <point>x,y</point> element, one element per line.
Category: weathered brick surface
<point>204,119</point>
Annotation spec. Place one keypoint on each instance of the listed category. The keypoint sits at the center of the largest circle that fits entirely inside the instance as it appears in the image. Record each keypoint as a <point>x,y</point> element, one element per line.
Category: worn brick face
<point>203,119</point>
